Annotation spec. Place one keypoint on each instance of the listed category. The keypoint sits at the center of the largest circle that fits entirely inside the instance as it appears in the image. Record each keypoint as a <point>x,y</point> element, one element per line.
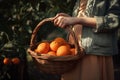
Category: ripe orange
<point>15,60</point>
<point>52,53</point>
<point>6,61</point>
<point>43,48</point>
<point>63,50</point>
<point>60,40</point>
<point>54,45</point>
<point>72,51</point>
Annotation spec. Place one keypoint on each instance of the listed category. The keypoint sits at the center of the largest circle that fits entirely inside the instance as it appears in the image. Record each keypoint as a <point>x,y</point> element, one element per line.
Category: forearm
<point>87,21</point>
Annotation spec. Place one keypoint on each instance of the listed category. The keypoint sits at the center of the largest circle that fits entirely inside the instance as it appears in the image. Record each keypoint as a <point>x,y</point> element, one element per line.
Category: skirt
<point>92,67</point>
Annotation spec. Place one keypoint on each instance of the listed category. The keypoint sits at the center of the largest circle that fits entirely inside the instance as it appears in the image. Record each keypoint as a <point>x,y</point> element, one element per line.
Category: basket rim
<point>53,58</point>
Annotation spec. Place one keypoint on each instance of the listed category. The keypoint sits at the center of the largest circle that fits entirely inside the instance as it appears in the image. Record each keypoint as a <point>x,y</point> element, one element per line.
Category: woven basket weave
<point>54,64</point>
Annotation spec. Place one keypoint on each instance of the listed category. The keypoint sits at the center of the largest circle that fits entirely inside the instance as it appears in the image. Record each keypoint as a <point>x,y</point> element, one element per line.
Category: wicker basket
<point>54,64</point>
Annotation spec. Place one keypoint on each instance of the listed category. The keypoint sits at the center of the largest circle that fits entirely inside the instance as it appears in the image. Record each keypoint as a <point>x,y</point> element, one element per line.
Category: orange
<point>15,60</point>
<point>60,40</point>
<point>43,48</point>
<point>54,45</point>
<point>72,51</point>
<point>63,50</point>
<point>6,61</point>
<point>52,53</point>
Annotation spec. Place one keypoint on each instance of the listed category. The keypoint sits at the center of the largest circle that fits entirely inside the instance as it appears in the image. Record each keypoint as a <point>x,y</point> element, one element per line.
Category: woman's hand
<point>64,20</point>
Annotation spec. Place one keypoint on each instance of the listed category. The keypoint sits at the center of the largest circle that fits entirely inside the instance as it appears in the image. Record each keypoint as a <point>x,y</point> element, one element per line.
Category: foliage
<point>18,18</point>
<point>21,16</point>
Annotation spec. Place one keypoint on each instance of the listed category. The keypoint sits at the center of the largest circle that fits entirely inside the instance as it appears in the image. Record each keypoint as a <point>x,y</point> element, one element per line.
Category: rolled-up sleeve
<point>111,21</point>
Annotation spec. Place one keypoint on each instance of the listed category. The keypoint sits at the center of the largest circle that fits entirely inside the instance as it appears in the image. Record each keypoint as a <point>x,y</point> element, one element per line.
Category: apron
<point>92,67</point>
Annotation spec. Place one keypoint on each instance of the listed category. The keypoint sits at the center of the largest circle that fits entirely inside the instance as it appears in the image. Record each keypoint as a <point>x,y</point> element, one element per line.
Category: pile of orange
<point>57,47</point>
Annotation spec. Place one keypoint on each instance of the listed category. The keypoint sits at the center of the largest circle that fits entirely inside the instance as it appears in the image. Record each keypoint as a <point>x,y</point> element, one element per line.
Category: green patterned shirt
<point>101,40</point>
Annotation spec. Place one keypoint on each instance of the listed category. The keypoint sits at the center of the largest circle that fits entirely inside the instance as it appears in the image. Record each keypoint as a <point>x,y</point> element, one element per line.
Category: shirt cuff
<point>99,24</point>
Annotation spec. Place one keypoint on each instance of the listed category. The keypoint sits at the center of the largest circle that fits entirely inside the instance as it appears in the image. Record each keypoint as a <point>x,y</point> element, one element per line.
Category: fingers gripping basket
<point>54,64</point>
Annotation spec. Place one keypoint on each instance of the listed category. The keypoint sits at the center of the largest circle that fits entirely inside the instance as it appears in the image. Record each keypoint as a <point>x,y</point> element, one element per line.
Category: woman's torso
<point>102,43</point>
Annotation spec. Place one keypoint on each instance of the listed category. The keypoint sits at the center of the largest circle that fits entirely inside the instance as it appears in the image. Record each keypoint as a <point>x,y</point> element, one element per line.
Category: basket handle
<point>79,49</point>
<point>32,42</point>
